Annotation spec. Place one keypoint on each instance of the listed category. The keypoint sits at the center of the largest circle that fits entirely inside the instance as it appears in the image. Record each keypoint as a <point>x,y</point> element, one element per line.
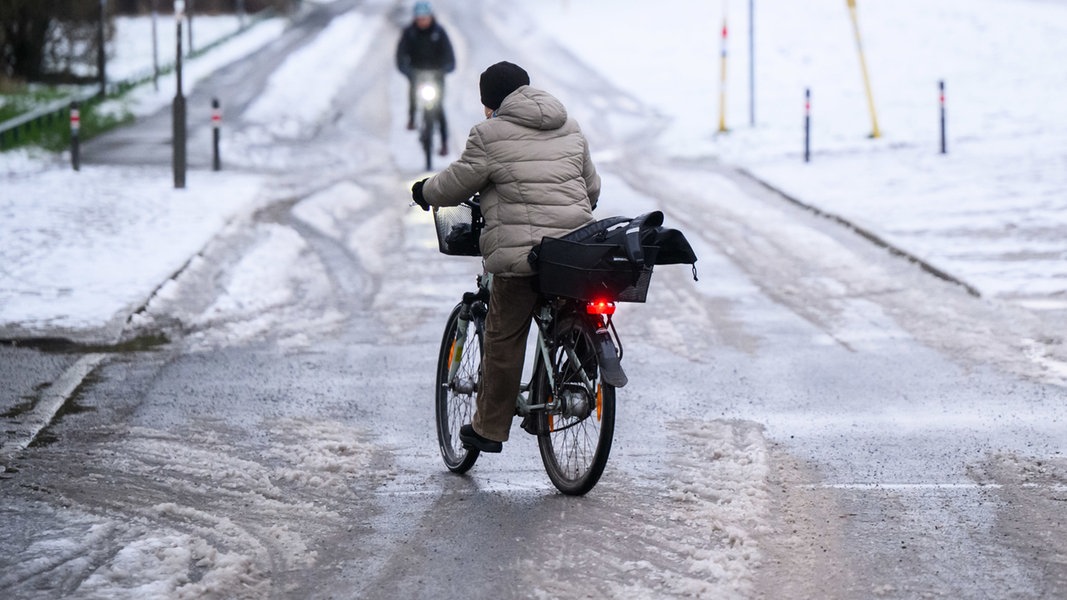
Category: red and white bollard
<point>941,102</point>
<point>216,124</point>
<point>722,79</point>
<point>75,128</point>
<point>807,124</point>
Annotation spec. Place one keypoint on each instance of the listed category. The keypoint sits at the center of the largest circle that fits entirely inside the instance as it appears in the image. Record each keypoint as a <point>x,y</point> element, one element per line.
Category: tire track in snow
<point>183,514</point>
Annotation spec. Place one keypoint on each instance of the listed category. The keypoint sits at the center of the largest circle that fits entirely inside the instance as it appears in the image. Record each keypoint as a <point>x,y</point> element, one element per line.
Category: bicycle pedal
<point>529,424</point>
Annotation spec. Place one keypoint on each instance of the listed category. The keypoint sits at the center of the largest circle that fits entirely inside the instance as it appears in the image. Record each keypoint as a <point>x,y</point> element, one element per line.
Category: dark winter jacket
<point>530,163</point>
<point>424,49</point>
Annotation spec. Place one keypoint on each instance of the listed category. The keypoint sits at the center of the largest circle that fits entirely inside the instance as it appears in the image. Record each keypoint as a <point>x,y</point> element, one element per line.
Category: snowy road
<point>815,417</point>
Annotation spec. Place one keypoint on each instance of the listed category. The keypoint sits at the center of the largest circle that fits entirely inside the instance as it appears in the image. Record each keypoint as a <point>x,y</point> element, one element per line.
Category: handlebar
<point>474,202</point>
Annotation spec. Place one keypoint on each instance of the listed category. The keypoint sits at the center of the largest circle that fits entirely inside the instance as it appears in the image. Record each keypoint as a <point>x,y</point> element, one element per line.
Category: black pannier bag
<point>610,259</point>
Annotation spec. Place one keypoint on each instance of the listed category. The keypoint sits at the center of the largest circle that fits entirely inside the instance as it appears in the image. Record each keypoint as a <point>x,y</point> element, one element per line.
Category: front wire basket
<point>458,229</point>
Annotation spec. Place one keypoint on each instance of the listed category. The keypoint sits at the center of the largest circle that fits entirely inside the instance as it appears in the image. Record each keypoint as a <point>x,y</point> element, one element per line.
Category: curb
<point>866,234</point>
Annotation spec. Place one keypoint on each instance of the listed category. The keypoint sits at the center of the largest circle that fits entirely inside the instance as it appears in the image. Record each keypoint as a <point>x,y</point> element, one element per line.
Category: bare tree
<point>49,40</point>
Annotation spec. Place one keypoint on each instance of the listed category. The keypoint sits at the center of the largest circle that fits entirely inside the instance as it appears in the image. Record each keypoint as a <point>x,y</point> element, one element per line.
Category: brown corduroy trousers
<point>511,306</point>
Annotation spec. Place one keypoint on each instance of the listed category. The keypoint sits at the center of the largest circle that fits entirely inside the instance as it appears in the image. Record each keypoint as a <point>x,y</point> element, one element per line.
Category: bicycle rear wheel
<point>575,439</point>
<point>462,345</point>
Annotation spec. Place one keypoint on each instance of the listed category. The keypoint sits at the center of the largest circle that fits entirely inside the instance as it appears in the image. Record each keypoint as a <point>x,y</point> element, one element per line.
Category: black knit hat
<point>500,80</point>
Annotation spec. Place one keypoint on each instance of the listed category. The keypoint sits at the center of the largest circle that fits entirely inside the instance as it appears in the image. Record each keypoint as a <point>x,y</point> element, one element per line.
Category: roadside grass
<point>15,100</point>
<point>52,132</point>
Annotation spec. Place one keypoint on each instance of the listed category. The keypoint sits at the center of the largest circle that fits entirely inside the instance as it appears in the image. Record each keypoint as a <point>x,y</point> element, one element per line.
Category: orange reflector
<point>599,400</point>
<point>600,307</point>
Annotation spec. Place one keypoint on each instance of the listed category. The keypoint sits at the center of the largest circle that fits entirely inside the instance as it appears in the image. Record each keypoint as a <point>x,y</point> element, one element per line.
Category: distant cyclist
<point>424,46</point>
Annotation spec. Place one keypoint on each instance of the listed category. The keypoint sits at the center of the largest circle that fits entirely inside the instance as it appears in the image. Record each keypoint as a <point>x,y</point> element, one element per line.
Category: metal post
<point>751,63</point>
<point>75,129</point>
<point>241,14</point>
<point>216,123</point>
<point>807,124</point>
<point>101,61</point>
<point>941,96</point>
<point>179,104</point>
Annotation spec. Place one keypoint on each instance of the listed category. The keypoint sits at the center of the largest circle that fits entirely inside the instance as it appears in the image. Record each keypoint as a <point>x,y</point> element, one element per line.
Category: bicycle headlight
<point>428,93</point>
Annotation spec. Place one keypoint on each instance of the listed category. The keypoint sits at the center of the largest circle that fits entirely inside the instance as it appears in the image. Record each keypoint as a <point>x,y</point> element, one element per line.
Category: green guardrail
<point>48,125</point>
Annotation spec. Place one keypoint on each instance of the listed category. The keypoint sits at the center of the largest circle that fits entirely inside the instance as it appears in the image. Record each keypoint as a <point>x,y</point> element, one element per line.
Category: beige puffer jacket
<point>531,165</point>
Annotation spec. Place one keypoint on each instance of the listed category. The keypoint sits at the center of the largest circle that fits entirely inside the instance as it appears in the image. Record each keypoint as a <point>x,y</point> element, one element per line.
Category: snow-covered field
<point>992,211</point>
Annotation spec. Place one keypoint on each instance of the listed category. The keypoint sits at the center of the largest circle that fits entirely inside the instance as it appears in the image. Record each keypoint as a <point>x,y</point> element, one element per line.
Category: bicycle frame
<point>523,406</point>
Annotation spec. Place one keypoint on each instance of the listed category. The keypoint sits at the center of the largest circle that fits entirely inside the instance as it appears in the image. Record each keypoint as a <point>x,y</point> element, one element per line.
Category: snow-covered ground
<point>991,212</point>
<point>81,251</point>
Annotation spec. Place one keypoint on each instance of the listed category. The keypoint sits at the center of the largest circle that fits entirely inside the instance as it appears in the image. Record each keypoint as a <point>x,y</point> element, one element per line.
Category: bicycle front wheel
<point>459,366</point>
<point>575,437</point>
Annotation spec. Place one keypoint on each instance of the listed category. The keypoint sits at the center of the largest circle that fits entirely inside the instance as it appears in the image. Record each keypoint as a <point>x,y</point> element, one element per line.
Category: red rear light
<point>600,307</point>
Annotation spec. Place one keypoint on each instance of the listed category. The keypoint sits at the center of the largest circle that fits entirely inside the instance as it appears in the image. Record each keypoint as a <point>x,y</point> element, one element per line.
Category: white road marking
<point>929,486</point>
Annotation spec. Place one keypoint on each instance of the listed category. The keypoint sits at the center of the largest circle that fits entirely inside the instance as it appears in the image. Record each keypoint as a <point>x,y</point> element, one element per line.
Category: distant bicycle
<point>428,86</point>
<point>569,403</point>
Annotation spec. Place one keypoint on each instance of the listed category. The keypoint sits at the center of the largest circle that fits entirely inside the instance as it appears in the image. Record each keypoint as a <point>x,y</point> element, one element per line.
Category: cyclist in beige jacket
<point>530,163</point>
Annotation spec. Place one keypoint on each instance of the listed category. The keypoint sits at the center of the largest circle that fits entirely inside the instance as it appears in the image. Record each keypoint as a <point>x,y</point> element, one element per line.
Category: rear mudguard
<point>610,366</point>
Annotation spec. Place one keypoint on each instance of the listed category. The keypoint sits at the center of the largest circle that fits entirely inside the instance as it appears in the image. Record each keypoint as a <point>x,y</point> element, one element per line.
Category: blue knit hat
<point>422,9</point>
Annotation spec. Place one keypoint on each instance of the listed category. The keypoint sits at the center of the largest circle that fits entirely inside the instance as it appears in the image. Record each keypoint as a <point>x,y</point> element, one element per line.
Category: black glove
<point>416,195</point>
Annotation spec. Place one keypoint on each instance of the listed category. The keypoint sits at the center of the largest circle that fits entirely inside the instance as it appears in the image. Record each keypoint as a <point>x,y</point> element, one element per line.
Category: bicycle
<point>569,404</point>
<point>428,85</point>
